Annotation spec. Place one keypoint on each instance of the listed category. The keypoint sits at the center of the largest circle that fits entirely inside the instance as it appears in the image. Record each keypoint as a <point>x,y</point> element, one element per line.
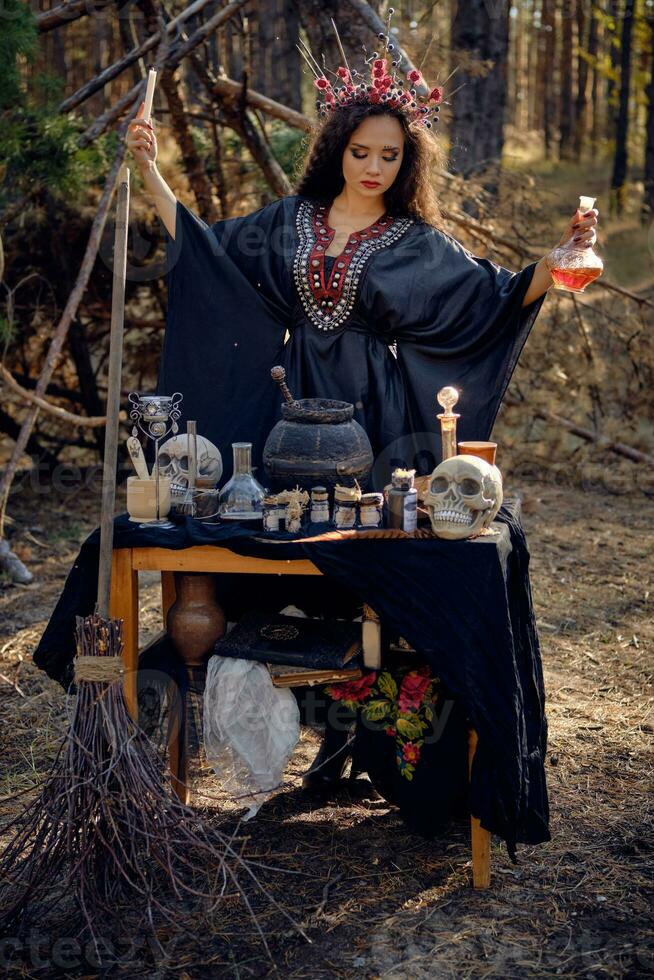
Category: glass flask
<point>571,265</point>
<point>241,499</point>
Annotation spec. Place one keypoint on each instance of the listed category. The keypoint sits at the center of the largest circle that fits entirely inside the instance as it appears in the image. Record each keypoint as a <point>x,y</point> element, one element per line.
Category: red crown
<point>378,86</point>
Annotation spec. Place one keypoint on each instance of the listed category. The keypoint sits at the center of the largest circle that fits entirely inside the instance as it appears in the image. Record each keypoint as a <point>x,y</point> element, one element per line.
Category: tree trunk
<point>620,162</point>
<point>581,121</point>
<point>193,164</point>
<point>593,54</point>
<point>648,174</point>
<point>548,19</point>
<point>531,84</point>
<point>276,68</point>
<point>566,117</point>
<point>480,32</point>
<point>614,57</point>
<point>315,17</point>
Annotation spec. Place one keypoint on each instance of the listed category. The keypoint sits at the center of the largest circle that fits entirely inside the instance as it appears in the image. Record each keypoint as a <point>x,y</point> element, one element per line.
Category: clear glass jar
<point>241,499</point>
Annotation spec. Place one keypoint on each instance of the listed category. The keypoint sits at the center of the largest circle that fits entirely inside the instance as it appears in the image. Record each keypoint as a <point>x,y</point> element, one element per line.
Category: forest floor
<point>376,900</point>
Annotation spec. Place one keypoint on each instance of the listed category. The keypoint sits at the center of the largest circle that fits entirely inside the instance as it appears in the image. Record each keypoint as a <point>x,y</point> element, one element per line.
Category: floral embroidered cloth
<point>405,706</point>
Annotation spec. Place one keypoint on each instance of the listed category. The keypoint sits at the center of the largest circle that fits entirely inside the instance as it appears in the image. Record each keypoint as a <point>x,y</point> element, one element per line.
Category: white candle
<point>149,94</point>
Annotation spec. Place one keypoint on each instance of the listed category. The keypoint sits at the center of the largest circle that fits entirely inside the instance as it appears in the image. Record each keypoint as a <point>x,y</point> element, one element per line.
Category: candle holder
<point>156,416</point>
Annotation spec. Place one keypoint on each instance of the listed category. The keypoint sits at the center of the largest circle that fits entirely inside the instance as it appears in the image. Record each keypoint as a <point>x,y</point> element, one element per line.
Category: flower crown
<point>379,87</point>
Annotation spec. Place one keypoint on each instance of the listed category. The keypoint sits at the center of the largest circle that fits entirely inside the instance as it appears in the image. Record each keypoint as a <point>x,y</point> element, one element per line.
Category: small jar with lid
<point>270,514</point>
<point>403,501</point>
<point>370,509</point>
<point>346,500</point>
<point>319,505</point>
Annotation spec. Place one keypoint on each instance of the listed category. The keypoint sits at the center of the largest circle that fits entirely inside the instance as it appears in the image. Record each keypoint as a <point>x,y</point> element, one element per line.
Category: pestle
<point>278,374</point>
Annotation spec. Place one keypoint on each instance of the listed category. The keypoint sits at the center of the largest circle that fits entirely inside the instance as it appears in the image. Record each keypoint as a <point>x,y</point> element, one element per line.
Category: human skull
<point>174,462</point>
<point>465,494</point>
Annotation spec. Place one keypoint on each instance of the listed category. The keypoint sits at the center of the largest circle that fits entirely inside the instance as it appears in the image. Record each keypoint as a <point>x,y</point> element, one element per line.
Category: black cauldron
<point>317,442</point>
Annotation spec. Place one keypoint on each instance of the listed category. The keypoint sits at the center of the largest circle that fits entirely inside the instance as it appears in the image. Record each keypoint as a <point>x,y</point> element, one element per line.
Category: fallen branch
<point>224,86</point>
<point>70,11</point>
<point>108,118</point>
<point>238,119</point>
<point>103,122</point>
<point>118,67</point>
<point>602,442</point>
<point>87,421</point>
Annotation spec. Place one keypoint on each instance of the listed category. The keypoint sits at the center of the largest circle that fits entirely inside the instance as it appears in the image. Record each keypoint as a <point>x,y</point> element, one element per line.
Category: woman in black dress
<point>353,287</point>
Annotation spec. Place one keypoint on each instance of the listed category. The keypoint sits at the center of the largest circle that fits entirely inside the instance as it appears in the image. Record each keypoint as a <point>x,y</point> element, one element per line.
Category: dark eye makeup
<point>361,156</point>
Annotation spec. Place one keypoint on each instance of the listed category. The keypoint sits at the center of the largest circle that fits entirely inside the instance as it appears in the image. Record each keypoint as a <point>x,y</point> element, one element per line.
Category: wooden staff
<point>113,394</point>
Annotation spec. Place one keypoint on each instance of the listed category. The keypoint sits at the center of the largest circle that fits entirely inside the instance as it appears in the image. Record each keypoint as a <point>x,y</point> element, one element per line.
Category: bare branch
<point>70,11</point>
<point>118,67</point>
<point>239,120</point>
<point>227,87</point>
<point>88,421</point>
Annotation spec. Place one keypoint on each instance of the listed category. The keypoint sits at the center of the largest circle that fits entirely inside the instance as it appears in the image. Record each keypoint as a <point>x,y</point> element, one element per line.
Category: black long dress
<point>404,310</point>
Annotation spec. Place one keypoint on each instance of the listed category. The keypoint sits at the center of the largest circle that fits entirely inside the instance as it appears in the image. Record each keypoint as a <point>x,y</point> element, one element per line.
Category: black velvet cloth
<point>425,313</point>
<point>465,605</point>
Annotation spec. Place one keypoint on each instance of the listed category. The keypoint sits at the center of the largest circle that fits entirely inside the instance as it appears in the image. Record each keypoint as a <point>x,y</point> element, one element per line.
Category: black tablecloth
<point>465,605</point>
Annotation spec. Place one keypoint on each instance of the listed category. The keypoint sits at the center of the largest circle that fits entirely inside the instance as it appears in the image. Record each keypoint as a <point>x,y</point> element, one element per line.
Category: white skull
<point>173,462</point>
<point>465,494</point>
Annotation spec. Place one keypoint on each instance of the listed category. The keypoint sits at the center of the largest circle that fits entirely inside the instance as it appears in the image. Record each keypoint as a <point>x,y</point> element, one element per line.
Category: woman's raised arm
<point>142,141</point>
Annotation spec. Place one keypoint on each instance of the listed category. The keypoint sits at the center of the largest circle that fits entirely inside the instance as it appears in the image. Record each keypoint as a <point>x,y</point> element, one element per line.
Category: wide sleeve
<point>225,325</point>
<point>464,325</point>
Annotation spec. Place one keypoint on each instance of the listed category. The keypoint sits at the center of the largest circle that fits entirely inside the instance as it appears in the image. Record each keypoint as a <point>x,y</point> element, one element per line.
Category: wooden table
<point>124,604</point>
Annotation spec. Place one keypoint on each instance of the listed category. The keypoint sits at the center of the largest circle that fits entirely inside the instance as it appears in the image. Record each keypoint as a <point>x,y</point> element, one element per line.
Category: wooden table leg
<point>177,727</point>
<point>480,838</point>
<point>124,604</point>
<point>177,747</point>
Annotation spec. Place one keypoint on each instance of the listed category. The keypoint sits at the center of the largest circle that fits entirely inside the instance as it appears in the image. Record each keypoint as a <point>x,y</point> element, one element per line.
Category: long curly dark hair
<point>410,195</point>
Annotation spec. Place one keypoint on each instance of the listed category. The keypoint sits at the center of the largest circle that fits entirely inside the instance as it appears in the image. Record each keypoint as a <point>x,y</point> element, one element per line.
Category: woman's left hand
<point>581,228</point>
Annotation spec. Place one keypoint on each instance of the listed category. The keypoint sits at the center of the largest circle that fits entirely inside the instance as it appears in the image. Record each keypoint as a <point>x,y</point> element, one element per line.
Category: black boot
<point>325,774</point>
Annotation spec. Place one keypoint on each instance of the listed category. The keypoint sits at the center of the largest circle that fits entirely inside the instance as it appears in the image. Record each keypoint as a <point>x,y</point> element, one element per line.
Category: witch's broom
<point>105,829</point>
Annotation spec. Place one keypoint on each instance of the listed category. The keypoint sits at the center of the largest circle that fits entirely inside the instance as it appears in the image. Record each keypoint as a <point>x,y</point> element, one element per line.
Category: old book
<point>283,676</point>
<point>320,644</point>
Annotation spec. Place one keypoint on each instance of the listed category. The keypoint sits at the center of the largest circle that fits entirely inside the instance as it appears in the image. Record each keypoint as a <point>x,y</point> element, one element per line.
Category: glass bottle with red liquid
<point>573,266</point>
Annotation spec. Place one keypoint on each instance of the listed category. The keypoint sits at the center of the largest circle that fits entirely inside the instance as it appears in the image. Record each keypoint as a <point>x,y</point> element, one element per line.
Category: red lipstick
<point>371,183</point>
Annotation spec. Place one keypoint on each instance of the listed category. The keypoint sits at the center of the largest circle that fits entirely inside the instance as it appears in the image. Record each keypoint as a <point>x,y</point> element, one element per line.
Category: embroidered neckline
<point>362,232</point>
<point>328,303</point>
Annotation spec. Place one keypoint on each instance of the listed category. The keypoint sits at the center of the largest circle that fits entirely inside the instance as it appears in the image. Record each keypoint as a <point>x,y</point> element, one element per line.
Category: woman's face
<point>373,155</point>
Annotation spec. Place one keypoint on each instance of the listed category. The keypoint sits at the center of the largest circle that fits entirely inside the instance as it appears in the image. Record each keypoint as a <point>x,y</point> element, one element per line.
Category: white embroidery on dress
<point>338,314</point>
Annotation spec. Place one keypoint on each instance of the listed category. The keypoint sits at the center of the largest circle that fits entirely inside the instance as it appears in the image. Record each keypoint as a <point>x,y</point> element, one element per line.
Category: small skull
<point>465,494</point>
<point>174,462</point>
